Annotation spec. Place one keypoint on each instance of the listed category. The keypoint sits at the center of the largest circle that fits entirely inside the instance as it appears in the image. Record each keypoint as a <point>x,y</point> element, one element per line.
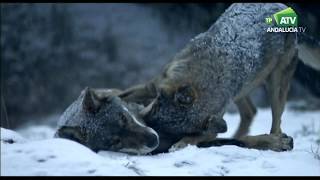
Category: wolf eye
<point>184,95</point>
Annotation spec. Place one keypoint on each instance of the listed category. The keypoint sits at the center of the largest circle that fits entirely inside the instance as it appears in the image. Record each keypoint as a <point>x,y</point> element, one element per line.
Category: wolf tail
<point>308,68</point>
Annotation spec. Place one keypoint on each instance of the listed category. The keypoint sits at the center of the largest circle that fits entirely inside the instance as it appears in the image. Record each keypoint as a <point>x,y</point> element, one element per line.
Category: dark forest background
<point>50,52</point>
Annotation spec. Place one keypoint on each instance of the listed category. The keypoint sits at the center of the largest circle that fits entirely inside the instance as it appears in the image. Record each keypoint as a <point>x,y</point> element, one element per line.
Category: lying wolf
<point>100,120</point>
<point>186,103</point>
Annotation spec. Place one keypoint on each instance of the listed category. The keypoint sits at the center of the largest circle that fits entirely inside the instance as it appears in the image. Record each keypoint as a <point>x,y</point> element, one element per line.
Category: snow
<point>35,152</point>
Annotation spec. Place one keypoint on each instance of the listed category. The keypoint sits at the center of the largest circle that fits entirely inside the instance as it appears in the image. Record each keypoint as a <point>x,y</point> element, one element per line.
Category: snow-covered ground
<point>33,151</point>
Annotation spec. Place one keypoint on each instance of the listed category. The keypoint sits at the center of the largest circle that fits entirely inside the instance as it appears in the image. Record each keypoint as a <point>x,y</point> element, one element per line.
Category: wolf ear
<point>90,102</point>
<point>217,124</point>
<point>221,126</point>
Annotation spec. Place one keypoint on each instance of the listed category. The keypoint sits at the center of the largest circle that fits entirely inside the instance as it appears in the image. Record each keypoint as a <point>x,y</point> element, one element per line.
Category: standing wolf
<point>221,65</point>
<point>185,104</point>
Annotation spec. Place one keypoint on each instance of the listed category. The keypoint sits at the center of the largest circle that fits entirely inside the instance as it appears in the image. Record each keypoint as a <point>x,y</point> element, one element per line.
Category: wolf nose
<point>152,141</point>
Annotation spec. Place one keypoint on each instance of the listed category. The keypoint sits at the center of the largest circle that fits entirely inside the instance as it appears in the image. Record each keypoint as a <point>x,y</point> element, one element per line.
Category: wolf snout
<point>152,141</point>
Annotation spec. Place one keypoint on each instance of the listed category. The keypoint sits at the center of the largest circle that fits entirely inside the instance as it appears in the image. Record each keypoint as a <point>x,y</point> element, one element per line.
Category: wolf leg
<point>278,85</point>
<point>275,142</point>
<point>213,126</point>
<point>193,140</point>
<point>247,112</point>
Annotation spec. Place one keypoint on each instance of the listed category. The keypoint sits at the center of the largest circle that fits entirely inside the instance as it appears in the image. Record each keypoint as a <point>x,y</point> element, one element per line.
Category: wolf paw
<point>177,146</point>
<point>281,142</point>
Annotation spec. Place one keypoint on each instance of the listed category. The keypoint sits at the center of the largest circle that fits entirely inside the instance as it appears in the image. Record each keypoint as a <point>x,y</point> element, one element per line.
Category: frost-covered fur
<point>225,63</point>
<point>102,121</point>
<point>218,63</point>
<point>185,104</point>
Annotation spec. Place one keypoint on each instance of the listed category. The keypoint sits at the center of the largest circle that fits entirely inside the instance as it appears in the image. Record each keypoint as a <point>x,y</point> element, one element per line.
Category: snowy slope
<point>35,152</point>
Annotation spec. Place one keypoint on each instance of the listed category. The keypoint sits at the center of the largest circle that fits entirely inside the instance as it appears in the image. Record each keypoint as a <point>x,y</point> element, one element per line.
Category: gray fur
<point>112,125</point>
<point>217,64</point>
<point>225,63</point>
<point>187,100</point>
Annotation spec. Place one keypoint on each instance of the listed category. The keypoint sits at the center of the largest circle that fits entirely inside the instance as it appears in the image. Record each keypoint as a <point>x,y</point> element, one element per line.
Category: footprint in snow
<point>183,163</point>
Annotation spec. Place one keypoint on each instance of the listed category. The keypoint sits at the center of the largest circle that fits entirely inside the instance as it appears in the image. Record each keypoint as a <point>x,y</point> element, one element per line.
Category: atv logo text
<point>285,21</point>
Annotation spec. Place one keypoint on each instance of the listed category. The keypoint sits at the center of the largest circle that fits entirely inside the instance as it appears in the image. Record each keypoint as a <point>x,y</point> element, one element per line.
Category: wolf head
<point>102,121</point>
<point>182,112</point>
<point>190,97</point>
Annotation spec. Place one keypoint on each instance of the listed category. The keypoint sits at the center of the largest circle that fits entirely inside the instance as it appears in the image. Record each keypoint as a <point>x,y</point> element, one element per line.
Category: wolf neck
<point>222,60</point>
